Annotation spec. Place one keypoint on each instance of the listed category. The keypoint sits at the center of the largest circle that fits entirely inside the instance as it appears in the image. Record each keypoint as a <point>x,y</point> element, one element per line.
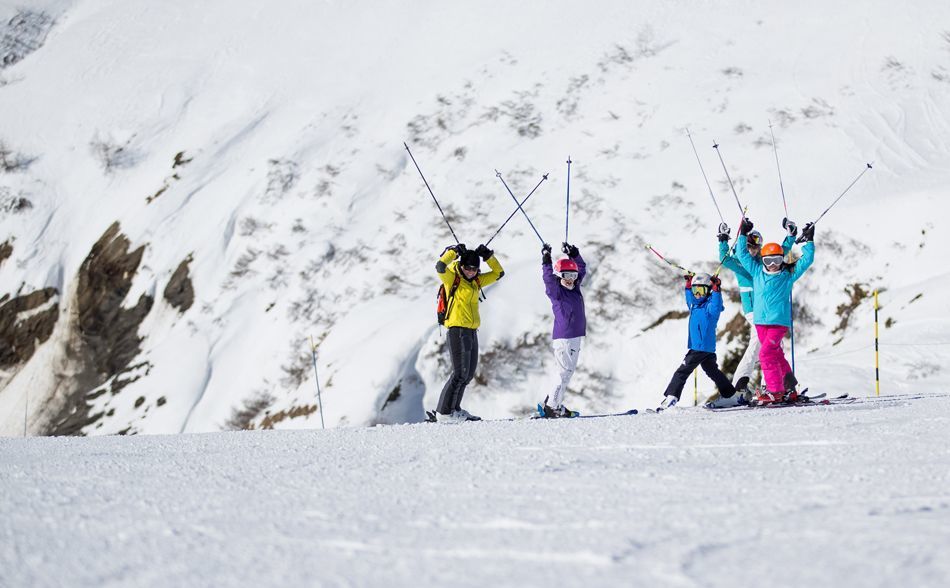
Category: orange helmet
<point>771,249</point>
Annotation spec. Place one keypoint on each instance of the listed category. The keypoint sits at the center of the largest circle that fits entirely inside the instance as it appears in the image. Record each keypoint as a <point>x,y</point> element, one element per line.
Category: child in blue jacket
<point>704,301</point>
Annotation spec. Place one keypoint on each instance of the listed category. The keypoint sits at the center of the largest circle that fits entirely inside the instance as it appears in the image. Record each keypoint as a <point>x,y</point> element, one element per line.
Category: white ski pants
<point>566,353</point>
<point>749,363</point>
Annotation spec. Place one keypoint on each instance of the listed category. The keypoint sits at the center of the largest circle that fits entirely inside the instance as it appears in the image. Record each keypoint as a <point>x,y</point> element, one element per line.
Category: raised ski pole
<point>679,267</point>
<point>728,177</point>
<point>567,209</point>
<point>430,192</point>
<point>313,353</point>
<point>705,179</point>
<point>515,211</point>
<point>515,198</point>
<point>779,168</point>
<point>855,181</point>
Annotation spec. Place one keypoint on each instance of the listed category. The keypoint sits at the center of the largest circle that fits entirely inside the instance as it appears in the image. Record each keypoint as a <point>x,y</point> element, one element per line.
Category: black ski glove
<point>458,249</point>
<point>546,254</point>
<point>745,226</point>
<point>689,280</point>
<point>789,226</point>
<point>570,250</point>
<point>484,252</point>
<point>716,283</point>
<point>723,232</point>
<point>808,232</point>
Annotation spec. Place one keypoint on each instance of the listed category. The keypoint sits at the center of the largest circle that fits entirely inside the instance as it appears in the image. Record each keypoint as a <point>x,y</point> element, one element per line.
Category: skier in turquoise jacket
<point>749,362</point>
<point>772,281</point>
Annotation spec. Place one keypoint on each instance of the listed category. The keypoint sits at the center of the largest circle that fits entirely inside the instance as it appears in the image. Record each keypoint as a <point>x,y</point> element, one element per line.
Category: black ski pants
<point>463,347</point>
<point>705,360</point>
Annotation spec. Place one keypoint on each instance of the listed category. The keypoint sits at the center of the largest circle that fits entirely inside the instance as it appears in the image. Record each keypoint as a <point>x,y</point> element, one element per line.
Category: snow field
<point>853,495</point>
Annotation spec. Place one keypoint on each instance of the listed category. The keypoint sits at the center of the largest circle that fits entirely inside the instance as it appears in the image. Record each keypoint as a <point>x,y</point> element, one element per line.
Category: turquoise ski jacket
<point>772,304</point>
<point>729,261</point>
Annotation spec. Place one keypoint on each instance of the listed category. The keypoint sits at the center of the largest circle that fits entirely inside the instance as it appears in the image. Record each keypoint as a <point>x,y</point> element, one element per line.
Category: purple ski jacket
<point>568,305</point>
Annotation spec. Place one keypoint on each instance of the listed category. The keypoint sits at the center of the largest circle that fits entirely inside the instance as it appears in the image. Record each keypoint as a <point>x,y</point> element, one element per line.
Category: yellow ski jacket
<point>463,306</point>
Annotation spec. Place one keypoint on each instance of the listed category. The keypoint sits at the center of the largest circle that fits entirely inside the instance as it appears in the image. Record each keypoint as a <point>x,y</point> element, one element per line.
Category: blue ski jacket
<point>772,304</point>
<point>703,317</point>
<point>729,261</point>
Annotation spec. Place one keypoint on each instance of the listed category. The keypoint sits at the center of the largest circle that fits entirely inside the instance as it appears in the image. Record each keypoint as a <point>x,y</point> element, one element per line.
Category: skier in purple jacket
<point>562,284</point>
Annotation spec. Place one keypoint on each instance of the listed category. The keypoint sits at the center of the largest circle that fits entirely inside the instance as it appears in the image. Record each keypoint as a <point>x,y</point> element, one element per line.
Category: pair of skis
<point>803,400</point>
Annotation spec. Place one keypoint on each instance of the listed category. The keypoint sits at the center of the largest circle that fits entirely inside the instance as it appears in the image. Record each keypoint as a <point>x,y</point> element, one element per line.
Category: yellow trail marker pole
<point>877,369</point>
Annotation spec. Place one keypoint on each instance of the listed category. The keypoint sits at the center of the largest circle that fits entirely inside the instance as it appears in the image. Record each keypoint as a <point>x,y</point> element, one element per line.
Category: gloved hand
<point>570,250</point>
<point>716,283</point>
<point>745,226</point>
<point>484,252</point>
<point>723,232</point>
<point>789,226</point>
<point>689,280</point>
<point>546,254</point>
<point>808,232</point>
<point>458,249</point>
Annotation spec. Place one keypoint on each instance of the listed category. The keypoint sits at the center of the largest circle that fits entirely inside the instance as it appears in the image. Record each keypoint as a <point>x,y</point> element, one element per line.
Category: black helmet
<point>469,259</point>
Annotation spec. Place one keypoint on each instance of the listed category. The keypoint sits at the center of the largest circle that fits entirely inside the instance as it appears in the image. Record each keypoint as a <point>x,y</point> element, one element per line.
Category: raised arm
<point>547,272</point>
<point>575,255</point>
<point>442,266</point>
<point>808,252</point>
<point>496,273</point>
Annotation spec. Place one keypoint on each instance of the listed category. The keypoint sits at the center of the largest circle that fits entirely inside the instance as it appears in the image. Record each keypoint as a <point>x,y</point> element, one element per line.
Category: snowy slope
<point>258,149</point>
<point>852,495</point>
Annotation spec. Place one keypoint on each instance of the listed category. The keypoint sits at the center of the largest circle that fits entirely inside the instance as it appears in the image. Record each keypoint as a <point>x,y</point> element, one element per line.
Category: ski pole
<point>731,185</point>
<point>792,330</point>
<point>513,197</point>
<point>313,353</point>
<point>567,209</point>
<point>679,267</point>
<point>779,168</point>
<point>430,192</point>
<point>705,179</point>
<point>510,216</point>
<point>855,181</point>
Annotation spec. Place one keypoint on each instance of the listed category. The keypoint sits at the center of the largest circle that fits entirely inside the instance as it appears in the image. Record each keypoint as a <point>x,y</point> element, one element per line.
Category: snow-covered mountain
<point>190,192</point>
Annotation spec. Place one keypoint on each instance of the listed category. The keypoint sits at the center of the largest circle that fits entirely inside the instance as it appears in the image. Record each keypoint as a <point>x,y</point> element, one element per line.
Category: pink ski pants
<point>772,357</point>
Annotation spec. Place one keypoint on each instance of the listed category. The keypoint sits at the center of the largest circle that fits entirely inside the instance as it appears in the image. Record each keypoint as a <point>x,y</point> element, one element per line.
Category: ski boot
<point>668,402</point>
<point>743,391</point>
<point>764,398</point>
<point>790,382</point>
<point>464,415</point>
<point>726,402</point>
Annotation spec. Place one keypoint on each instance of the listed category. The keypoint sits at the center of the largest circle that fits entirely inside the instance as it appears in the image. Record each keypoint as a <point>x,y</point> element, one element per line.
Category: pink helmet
<point>564,265</point>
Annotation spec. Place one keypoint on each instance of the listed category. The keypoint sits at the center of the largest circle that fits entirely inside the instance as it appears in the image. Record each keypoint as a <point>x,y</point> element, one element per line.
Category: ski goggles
<point>470,268</point>
<point>569,276</point>
<point>700,291</point>
<point>772,260</point>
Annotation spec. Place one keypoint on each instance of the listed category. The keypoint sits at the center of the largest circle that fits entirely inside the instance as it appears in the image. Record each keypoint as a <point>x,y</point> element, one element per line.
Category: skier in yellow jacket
<point>458,268</point>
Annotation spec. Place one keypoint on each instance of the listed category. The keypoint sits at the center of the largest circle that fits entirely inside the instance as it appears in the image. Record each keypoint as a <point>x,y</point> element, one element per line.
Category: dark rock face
<point>105,335</point>
<point>6,250</point>
<point>179,292</point>
<point>23,327</point>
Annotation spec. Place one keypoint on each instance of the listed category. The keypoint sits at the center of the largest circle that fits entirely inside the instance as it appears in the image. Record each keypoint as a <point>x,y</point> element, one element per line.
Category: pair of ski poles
<point>519,205</point>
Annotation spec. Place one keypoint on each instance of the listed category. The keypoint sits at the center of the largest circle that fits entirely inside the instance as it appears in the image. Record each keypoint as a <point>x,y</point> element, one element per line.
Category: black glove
<point>723,232</point>
<point>789,226</point>
<point>745,226</point>
<point>716,283</point>
<point>808,232</point>
<point>689,280</point>
<point>569,250</point>
<point>458,249</point>
<point>546,254</point>
<point>484,252</point>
